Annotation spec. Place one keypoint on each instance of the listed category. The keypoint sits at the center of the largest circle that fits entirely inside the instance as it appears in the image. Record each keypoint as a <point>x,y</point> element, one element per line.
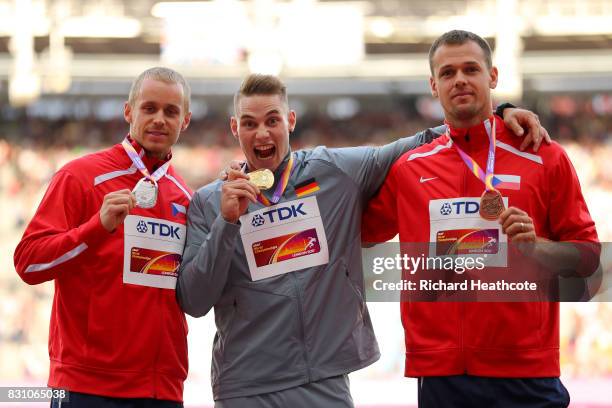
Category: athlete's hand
<point>517,120</point>
<point>236,165</point>
<point>236,193</point>
<point>115,207</point>
<point>518,225</point>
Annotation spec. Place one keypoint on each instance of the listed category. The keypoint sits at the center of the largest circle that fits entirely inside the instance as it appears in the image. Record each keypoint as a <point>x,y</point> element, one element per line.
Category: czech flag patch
<point>307,187</point>
<point>507,181</point>
<point>178,209</point>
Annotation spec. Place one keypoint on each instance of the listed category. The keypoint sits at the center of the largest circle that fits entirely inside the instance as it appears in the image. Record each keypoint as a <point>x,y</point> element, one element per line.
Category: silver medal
<point>145,192</point>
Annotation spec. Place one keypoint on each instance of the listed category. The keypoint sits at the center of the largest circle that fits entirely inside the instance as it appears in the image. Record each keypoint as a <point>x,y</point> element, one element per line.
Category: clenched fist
<point>236,193</point>
<point>115,207</point>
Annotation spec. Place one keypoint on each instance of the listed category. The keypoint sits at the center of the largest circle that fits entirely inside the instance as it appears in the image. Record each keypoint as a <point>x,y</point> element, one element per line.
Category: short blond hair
<point>162,74</point>
<point>259,84</point>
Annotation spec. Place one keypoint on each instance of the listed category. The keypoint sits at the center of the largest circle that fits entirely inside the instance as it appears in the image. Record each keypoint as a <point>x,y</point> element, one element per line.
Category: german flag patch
<point>307,187</point>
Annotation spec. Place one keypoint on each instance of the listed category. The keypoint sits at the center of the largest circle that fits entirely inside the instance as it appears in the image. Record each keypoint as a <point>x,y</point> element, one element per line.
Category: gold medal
<point>262,178</point>
<point>491,205</point>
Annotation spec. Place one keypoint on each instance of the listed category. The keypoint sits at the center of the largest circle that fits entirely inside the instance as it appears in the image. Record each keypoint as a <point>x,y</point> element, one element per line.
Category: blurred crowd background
<point>32,149</point>
<point>66,67</point>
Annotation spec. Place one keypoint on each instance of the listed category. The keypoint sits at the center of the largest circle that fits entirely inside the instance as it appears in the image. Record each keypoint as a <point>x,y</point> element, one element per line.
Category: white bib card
<point>152,252</point>
<point>458,230</point>
<point>284,238</point>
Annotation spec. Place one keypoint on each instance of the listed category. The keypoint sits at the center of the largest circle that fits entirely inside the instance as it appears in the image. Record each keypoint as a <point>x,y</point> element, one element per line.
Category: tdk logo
<point>459,207</point>
<point>446,209</point>
<point>141,227</point>
<point>157,228</point>
<point>278,214</point>
<point>258,220</point>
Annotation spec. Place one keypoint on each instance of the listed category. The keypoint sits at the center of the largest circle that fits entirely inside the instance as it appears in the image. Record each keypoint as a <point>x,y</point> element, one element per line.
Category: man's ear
<point>127,112</point>
<point>494,76</point>
<point>433,87</point>
<point>186,121</point>
<point>234,126</point>
<point>292,120</point>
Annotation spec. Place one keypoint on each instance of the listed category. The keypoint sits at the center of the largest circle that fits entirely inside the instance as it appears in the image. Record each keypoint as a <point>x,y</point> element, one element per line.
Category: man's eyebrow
<point>445,66</point>
<point>270,112</point>
<point>273,112</point>
<point>460,64</point>
<point>165,105</point>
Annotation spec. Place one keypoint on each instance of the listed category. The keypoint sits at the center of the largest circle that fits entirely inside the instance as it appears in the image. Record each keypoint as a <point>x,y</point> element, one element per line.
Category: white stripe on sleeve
<point>512,149</point>
<point>114,174</point>
<point>64,258</point>
<point>431,152</point>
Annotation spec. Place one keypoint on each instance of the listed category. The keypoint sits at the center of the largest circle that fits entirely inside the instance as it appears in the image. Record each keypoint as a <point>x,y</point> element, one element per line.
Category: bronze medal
<point>262,178</point>
<point>491,205</point>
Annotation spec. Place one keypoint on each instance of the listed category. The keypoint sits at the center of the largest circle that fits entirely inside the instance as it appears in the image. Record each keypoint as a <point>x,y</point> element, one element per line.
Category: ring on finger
<point>522,227</point>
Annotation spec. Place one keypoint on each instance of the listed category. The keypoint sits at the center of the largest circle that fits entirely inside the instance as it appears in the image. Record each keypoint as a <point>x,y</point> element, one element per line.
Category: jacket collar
<point>152,163</point>
<point>475,137</point>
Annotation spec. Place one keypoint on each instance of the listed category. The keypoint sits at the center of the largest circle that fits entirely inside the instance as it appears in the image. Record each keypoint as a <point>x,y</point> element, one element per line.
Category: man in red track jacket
<point>481,354</point>
<point>110,232</point>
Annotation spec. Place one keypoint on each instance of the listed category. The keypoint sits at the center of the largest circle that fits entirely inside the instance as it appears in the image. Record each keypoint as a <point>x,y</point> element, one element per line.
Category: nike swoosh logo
<point>423,180</point>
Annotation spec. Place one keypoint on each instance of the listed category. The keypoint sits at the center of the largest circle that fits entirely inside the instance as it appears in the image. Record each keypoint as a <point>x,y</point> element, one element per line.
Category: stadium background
<point>357,74</point>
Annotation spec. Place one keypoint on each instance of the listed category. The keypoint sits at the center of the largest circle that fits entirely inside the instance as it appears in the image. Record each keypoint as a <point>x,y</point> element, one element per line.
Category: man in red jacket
<point>475,181</point>
<point>110,233</point>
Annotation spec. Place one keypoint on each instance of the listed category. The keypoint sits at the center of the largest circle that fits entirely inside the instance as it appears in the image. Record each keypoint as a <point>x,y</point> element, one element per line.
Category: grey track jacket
<point>302,326</point>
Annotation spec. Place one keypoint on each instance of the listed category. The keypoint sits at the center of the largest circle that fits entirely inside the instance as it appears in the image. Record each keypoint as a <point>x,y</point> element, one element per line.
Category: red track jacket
<point>106,337</point>
<point>518,339</point>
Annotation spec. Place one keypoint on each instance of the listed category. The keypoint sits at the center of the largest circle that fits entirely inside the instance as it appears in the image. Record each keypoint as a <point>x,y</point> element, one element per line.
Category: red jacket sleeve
<point>57,234</point>
<point>569,218</point>
<point>379,222</point>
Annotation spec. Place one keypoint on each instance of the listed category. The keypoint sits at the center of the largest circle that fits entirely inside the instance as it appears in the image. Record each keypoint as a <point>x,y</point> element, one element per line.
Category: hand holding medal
<point>239,188</point>
<point>518,225</point>
<point>262,178</point>
<point>236,194</point>
<point>115,207</point>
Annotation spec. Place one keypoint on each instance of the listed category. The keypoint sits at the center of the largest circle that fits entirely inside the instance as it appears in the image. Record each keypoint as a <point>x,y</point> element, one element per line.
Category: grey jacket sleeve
<point>368,166</point>
<point>206,259</point>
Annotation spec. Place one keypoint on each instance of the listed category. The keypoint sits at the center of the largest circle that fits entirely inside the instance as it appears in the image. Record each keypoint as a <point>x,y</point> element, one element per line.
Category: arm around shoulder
<point>383,157</point>
<point>379,222</point>
<point>368,166</point>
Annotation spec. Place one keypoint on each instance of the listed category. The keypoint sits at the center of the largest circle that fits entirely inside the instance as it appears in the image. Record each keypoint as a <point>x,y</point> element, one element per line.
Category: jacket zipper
<point>464,193</point>
<point>462,306</point>
<point>157,351</point>
<point>301,323</point>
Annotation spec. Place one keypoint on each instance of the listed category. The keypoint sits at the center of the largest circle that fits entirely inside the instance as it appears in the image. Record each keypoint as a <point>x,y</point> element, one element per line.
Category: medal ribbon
<point>280,187</point>
<point>487,178</point>
<point>137,160</point>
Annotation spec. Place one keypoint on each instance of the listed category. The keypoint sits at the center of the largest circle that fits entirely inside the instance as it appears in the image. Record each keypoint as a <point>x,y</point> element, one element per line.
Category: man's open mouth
<point>265,152</point>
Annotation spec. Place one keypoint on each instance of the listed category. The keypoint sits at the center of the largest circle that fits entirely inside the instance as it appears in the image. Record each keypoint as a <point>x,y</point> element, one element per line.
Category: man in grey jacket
<point>282,268</point>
